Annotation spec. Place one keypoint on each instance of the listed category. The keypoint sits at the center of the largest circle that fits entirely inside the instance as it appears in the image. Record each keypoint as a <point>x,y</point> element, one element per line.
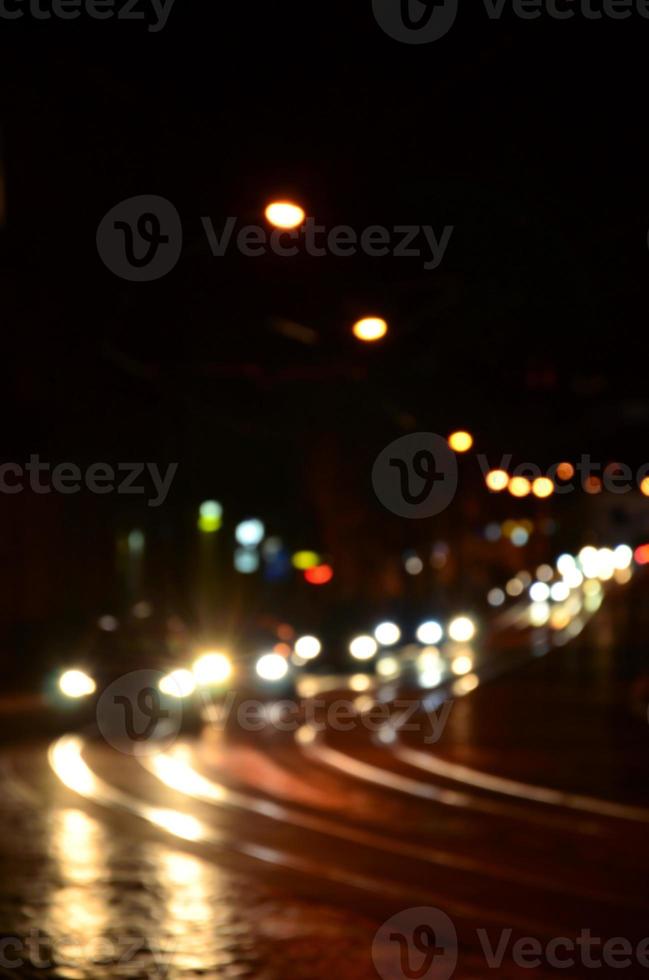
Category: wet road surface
<point>281,854</point>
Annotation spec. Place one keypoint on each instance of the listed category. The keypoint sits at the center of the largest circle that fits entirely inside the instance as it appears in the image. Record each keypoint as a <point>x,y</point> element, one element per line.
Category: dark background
<point>529,137</point>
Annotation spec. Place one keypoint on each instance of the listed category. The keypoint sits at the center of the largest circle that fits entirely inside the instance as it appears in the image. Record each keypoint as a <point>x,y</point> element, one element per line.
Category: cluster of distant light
<point>461,629</point>
<point>250,533</point>
<point>544,486</point>
<point>428,659</point>
<point>519,486</point>
<point>215,668</point>
<point>584,571</point>
<point>251,548</point>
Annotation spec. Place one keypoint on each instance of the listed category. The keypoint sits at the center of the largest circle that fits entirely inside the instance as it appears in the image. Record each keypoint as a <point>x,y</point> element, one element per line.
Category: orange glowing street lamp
<point>370,329</point>
<point>285,214</point>
<point>460,442</point>
<point>497,480</point>
<point>520,486</point>
<point>543,487</point>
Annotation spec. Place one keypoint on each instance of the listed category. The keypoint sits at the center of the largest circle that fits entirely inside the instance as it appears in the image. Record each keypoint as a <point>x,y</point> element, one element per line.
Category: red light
<point>641,554</point>
<point>319,575</point>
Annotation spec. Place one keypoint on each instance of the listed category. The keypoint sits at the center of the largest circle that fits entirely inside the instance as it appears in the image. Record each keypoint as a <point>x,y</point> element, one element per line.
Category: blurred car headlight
<point>178,684</point>
<point>462,629</point>
<point>212,668</point>
<point>76,684</point>
<point>271,667</point>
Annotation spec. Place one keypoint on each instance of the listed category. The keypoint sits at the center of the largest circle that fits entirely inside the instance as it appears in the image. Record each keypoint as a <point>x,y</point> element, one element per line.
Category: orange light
<point>543,487</point>
<point>319,575</point>
<point>641,554</point>
<point>644,486</point>
<point>285,632</point>
<point>593,485</point>
<point>370,329</point>
<point>520,486</point>
<point>283,649</point>
<point>565,471</point>
<point>284,214</point>
<point>497,480</point>
<point>460,442</point>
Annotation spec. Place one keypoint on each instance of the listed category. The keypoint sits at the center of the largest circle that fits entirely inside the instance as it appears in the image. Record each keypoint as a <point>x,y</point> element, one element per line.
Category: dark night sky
<point>528,137</point>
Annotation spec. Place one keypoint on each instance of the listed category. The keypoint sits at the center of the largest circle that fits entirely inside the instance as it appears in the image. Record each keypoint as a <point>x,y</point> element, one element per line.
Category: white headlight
<point>363,647</point>
<point>76,684</point>
<point>461,629</point>
<point>178,684</point>
<point>212,668</point>
<point>560,591</point>
<point>387,634</point>
<point>308,647</point>
<point>430,633</point>
<point>271,667</point>
<point>540,592</point>
<point>250,533</point>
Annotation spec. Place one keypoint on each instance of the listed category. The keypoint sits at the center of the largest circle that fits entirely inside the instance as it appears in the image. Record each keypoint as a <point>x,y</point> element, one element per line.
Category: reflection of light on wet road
<point>79,845</point>
<point>175,770</point>
<point>179,824</point>
<point>78,910</point>
<point>510,787</point>
<point>191,893</point>
<point>66,760</point>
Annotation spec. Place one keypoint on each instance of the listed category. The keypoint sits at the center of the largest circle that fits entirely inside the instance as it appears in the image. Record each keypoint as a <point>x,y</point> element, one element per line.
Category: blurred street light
<point>460,442</point>
<point>520,486</point>
<point>370,329</point>
<point>285,214</point>
<point>497,480</point>
<point>543,487</point>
